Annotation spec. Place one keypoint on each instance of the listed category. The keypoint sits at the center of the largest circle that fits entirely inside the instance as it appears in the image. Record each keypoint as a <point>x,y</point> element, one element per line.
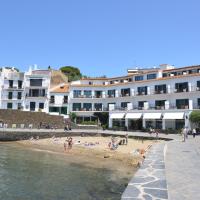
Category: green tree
<point>103,118</point>
<point>73,116</point>
<point>73,73</point>
<point>195,117</point>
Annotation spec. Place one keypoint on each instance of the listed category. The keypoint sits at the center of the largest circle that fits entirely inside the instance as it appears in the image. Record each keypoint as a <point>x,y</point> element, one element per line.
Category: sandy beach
<point>95,151</point>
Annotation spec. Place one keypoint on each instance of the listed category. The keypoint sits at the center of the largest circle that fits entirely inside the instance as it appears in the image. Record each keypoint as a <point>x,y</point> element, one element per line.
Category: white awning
<point>152,116</point>
<point>133,115</point>
<point>178,115</point>
<point>117,115</point>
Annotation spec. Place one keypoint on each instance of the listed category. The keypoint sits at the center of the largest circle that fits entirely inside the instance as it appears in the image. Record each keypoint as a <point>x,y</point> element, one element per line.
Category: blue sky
<point>101,37</point>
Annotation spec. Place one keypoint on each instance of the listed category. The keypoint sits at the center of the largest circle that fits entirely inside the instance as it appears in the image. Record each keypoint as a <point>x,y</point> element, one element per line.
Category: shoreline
<point>97,155</point>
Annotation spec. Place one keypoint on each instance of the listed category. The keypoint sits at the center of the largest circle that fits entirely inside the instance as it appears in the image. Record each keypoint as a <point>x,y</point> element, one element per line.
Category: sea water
<point>35,175</point>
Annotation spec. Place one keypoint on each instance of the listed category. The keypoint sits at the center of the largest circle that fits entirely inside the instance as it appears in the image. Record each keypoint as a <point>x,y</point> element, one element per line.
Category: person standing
<point>194,132</point>
<point>126,138</point>
<point>183,132</point>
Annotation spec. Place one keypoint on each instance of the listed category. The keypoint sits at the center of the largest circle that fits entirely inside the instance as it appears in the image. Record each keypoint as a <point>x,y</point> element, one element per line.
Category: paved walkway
<point>182,163</point>
<point>149,182</point>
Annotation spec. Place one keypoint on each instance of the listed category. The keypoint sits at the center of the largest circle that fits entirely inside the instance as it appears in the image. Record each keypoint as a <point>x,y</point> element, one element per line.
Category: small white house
<point>58,102</point>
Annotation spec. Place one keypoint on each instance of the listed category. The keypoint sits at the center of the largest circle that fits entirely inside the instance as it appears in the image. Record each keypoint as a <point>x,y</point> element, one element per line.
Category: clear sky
<point>101,37</point>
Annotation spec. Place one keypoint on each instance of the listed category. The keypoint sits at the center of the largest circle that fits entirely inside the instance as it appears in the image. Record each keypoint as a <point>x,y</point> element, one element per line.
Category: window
<point>160,104</point>
<point>111,93</point>
<point>41,105</point>
<point>76,106</point>
<point>65,100</point>
<point>10,95</point>
<point>19,95</point>
<point>35,82</point>
<point>164,75</point>
<point>141,105</point>
<point>19,106</point>
<point>181,87</point>
<point>124,104</point>
<point>52,99</point>
<point>36,92</point>
<point>98,106</point>
<point>98,94</point>
<point>125,92</point>
<point>151,76</point>
<point>10,83</point>
<point>142,90</point>
<point>87,106</point>
<point>77,93</point>
<point>139,78</point>
<point>19,84</point>
<point>54,109</point>
<point>9,105</point>
<point>198,85</point>
<point>159,89</point>
<point>182,103</point>
<point>198,103</point>
<point>87,93</point>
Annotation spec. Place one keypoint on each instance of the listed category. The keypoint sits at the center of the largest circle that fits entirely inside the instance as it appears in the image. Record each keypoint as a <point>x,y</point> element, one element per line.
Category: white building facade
<point>58,102</point>
<point>161,97</point>
<point>11,88</point>
<point>37,90</point>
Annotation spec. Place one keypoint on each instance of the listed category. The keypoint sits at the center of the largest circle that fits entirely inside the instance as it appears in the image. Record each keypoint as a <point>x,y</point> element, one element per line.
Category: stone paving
<point>183,169</point>
<point>149,182</point>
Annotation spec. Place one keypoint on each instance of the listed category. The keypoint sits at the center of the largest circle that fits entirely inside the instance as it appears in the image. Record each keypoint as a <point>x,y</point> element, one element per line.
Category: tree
<point>73,116</point>
<point>195,117</point>
<point>103,118</point>
<point>73,73</point>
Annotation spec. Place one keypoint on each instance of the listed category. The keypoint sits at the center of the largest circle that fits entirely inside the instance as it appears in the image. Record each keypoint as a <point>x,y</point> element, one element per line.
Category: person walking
<point>194,132</point>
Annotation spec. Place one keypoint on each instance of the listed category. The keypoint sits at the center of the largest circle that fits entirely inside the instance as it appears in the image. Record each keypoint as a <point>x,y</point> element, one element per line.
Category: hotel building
<point>160,97</point>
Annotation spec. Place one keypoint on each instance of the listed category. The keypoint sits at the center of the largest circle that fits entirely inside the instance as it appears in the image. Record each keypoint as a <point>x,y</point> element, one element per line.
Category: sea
<point>26,174</point>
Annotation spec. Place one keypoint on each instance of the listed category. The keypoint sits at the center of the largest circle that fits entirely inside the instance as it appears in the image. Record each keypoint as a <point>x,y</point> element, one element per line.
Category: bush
<point>88,123</point>
<point>195,117</point>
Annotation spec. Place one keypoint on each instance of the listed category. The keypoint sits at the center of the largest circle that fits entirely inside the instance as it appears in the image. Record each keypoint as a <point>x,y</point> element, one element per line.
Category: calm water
<point>33,175</point>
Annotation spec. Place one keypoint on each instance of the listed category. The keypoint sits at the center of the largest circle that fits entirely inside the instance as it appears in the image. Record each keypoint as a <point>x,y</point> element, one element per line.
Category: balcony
<point>125,95</point>
<point>141,93</point>
<point>181,90</point>
<point>36,96</point>
<point>111,96</point>
<point>160,92</point>
<point>65,101</point>
<point>51,101</point>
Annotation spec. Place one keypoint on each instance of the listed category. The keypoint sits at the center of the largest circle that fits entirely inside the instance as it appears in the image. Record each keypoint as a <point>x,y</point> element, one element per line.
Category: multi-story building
<point>160,97</point>
<point>11,88</point>
<point>36,88</point>
<point>58,101</point>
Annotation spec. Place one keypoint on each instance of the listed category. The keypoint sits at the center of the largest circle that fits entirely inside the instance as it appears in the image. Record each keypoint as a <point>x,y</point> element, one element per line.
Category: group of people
<point>68,143</point>
<point>154,131</point>
<point>185,131</point>
<point>114,143</point>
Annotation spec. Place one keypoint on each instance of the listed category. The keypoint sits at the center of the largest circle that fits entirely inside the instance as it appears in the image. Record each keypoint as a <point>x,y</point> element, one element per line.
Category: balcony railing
<point>90,110</point>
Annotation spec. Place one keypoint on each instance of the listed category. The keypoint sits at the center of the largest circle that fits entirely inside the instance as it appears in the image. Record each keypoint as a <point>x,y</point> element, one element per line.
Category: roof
<point>62,88</point>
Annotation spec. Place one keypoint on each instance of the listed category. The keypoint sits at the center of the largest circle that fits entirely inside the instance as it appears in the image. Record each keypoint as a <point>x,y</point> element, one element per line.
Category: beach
<point>95,152</point>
